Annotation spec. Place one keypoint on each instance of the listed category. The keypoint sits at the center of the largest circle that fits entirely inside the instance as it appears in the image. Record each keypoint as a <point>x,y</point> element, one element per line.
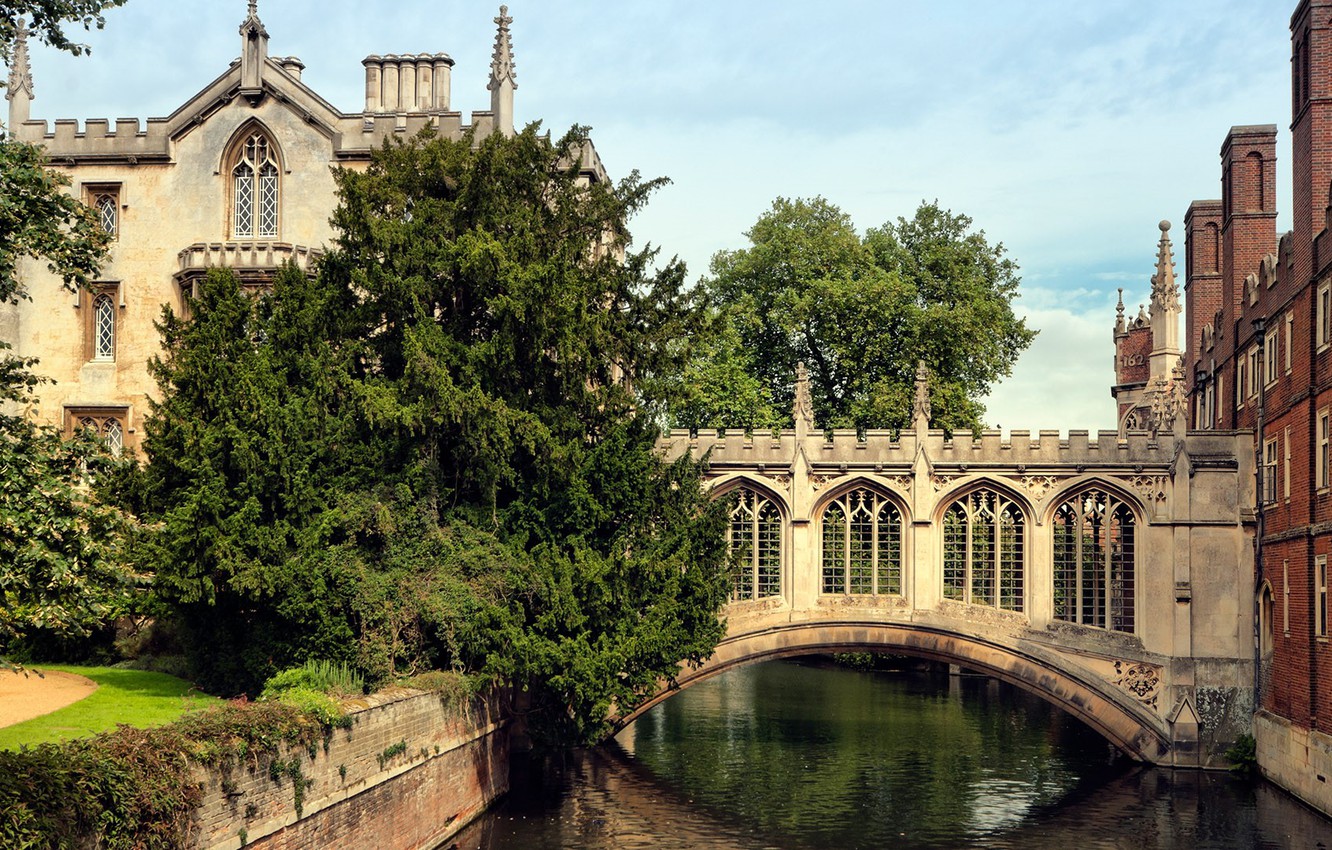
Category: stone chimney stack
<point>502,76</point>
<point>407,83</point>
<point>292,65</point>
<point>19,92</point>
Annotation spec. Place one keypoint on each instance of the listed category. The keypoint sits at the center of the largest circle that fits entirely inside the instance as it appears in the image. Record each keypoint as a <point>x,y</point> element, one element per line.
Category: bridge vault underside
<point>1112,576</point>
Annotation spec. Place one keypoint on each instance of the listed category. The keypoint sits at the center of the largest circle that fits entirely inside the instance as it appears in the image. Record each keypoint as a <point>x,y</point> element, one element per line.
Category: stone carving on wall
<point>941,482</point>
<point>902,482</point>
<point>781,480</point>
<point>1141,680</point>
<point>818,482</point>
<point>1152,487</point>
<point>1039,485</point>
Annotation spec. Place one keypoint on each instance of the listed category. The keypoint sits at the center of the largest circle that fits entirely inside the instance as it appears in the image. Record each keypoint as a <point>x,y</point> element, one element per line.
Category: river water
<point>792,756</point>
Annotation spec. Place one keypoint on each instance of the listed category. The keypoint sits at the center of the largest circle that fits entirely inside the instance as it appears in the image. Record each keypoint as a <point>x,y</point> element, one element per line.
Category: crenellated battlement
<point>1015,449</point>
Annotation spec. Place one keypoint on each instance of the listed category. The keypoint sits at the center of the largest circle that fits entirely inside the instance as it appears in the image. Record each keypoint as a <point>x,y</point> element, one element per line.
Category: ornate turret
<point>19,92</point>
<point>254,54</point>
<point>502,76</point>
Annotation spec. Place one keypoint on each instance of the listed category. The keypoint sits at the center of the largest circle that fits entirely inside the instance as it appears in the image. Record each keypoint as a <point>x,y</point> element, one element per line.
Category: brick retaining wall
<point>411,771</point>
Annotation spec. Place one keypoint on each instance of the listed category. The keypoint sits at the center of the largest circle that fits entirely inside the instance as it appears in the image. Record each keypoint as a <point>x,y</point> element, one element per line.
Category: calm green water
<point>794,756</point>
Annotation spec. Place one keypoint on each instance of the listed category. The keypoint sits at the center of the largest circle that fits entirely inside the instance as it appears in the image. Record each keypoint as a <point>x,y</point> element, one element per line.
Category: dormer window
<point>254,197</point>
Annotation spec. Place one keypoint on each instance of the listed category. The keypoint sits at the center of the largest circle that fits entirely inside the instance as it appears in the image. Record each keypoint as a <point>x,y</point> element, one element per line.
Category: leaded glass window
<point>255,190</point>
<point>984,557</point>
<point>104,327</point>
<point>862,545</point>
<point>107,212</point>
<point>1094,580</point>
<point>105,426</point>
<point>756,544</point>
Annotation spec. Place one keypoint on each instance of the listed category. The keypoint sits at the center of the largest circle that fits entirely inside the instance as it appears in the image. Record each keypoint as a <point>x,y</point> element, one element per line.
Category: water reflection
<point>786,756</point>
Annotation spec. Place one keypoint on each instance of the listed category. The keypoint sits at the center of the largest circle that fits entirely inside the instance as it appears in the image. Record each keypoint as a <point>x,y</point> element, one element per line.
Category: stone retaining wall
<point>1296,758</point>
<point>411,771</point>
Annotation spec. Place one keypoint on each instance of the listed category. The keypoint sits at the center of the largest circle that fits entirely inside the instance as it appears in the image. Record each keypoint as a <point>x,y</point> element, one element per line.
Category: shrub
<point>325,677</point>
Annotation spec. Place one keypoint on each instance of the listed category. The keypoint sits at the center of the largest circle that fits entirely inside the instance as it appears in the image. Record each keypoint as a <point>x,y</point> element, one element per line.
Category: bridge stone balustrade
<point>1170,681</point>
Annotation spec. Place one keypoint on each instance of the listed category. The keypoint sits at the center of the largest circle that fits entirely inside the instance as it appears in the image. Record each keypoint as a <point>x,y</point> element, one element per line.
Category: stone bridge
<point>1112,575</point>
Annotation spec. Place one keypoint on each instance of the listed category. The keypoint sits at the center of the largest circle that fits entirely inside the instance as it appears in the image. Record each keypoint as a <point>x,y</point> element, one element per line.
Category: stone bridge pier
<point>1112,576</point>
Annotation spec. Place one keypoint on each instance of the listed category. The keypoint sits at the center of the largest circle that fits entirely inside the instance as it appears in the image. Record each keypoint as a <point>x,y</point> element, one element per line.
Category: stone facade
<point>1131,622</point>
<point>239,175</point>
<point>413,769</point>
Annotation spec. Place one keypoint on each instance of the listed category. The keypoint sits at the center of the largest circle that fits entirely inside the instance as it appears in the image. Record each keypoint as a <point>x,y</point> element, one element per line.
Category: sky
<point>1066,131</point>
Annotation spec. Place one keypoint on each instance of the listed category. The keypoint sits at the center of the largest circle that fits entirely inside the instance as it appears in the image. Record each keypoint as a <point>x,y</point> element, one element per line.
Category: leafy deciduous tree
<point>48,19</point>
<point>861,312</point>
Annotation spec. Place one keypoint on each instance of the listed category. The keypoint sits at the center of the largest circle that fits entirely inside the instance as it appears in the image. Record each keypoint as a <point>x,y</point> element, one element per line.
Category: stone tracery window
<point>107,212</point>
<point>756,543</point>
<point>254,192</point>
<point>108,425</point>
<point>862,545</point>
<point>1094,567</point>
<point>984,555</point>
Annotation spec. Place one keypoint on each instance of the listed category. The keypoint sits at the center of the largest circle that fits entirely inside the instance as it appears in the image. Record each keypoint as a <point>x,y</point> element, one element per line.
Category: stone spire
<point>1164,310</point>
<point>920,407</point>
<point>254,54</point>
<point>1120,325</point>
<point>502,76</point>
<point>19,92</point>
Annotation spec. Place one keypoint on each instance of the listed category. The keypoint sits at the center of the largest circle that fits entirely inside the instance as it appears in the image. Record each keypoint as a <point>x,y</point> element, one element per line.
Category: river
<point>791,756</point>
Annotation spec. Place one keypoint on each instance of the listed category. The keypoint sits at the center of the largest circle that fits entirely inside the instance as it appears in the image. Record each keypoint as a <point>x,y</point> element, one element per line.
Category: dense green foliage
<point>62,565</point>
<point>861,312</point>
<point>133,788</point>
<point>47,20</point>
<point>429,456</point>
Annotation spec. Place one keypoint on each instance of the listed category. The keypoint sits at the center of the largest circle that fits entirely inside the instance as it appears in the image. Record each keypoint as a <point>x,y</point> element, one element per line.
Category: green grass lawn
<point>133,697</point>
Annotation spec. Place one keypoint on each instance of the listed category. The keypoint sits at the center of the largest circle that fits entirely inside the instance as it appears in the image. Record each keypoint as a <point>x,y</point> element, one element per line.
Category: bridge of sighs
<point>1112,574</point>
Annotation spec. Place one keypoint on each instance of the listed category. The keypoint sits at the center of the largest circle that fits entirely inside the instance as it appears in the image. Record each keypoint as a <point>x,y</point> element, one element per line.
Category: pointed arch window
<point>254,189</point>
<point>862,545</point>
<point>756,545</point>
<point>1094,574</point>
<point>104,327</point>
<point>106,424</point>
<point>984,555</point>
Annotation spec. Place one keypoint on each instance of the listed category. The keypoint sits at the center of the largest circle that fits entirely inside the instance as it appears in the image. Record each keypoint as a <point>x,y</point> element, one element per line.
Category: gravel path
<point>24,697</point>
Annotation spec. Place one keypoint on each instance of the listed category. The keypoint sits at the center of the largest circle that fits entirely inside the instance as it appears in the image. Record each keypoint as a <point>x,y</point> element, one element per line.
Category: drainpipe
<point>1258,571</point>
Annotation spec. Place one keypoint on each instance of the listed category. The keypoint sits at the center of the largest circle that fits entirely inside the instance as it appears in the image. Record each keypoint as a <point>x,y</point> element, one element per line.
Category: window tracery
<point>984,555</point>
<point>1094,561</point>
<point>862,545</point>
<point>756,544</point>
<point>254,194</point>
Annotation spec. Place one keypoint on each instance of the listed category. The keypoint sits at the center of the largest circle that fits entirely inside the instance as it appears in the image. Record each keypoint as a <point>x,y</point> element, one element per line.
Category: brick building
<point>1258,332</point>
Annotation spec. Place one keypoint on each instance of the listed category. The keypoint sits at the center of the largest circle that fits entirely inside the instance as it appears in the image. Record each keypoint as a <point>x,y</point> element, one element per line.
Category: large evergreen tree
<point>431,454</point>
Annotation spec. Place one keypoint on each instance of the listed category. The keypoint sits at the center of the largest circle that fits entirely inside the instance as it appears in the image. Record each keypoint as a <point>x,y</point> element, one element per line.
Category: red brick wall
<point>411,771</point>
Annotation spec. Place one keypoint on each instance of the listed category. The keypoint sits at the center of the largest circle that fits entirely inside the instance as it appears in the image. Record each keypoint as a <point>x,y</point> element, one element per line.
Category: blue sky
<point>1066,131</point>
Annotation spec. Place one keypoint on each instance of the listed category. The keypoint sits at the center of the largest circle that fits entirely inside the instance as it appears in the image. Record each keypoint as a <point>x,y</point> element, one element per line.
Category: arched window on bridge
<point>1094,581</point>
<point>983,551</point>
<point>756,541</point>
<point>862,545</point>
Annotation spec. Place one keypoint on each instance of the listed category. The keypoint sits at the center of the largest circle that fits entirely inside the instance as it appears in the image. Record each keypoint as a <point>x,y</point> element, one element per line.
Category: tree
<point>48,19</point>
<point>61,568</point>
<point>862,311</point>
<point>466,478</point>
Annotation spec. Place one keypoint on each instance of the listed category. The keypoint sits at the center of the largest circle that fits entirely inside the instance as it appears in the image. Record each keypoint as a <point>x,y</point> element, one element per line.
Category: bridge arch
<point>1117,717</point>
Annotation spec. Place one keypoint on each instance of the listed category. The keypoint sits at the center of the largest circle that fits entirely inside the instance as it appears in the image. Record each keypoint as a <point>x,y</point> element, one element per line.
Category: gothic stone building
<point>239,176</point>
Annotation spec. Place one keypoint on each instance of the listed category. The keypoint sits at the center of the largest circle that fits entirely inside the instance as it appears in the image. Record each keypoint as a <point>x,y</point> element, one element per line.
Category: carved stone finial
<point>920,408</point>
<point>1120,324</point>
<point>802,410</point>
<point>501,63</point>
<point>20,70</point>
<point>1165,293</point>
